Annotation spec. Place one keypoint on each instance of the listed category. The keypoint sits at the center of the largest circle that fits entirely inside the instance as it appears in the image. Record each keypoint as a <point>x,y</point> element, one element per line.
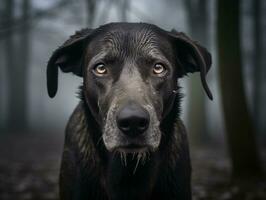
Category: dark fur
<point>88,169</point>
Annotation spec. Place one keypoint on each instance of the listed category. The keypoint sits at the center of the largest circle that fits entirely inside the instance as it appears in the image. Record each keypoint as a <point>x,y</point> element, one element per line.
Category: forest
<point>227,135</point>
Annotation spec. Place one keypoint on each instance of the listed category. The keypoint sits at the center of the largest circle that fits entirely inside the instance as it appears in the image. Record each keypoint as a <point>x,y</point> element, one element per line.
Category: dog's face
<point>130,74</point>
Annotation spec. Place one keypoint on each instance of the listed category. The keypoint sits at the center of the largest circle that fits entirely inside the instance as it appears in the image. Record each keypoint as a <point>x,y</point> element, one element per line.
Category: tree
<point>240,132</point>
<point>258,70</point>
<point>91,11</point>
<point>197,18</point>
<point>17,57</point>
<point>124,4</point>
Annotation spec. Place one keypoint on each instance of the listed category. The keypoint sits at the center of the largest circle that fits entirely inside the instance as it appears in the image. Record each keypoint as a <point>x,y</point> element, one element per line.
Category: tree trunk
<point>258,70</point>
<point>197,16</point>
<point>124,4</point>
<point>10,62</point>
<point>2,94</point>
<point>240,133</point>
<point>91,9</point>
<point>17,70</point>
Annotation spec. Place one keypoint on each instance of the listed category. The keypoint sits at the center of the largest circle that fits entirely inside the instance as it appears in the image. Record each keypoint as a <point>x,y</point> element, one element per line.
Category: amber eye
<point>158,69</point>
<point>100,69</point>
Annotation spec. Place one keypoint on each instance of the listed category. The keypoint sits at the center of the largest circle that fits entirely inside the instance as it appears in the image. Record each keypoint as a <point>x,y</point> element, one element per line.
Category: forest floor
<point>29,167</point>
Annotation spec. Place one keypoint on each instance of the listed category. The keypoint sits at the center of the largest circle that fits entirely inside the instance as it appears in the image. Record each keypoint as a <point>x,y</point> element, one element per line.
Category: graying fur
<point>134,89</point>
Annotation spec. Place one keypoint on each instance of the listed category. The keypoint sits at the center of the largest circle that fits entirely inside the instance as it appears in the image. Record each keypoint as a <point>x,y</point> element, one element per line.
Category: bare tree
<point>258,70</point>
<point>91,11</point>
<point>19,22</point>
<point>197,17</point>
<point>124,6</point>
<point>10,61</point>
<point>17,55</point>
<point>240,132</point>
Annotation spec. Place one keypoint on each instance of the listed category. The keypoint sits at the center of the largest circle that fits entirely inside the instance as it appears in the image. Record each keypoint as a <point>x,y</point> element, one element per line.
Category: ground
<point>29,168</point>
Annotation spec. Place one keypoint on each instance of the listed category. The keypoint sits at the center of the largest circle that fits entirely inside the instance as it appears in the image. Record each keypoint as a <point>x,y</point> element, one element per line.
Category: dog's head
<point>130,73</point>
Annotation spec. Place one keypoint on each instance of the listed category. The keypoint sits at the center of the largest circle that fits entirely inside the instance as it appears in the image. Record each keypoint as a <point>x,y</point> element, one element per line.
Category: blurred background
<point>227,135</point>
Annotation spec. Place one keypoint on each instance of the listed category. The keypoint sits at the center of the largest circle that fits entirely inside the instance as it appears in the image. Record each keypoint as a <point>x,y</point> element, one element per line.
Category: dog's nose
<point>133,120</point>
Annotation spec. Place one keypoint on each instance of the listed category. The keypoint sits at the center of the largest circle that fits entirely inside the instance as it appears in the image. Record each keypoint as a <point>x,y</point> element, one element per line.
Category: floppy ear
<point>68,57</point>
<point>193,57</point>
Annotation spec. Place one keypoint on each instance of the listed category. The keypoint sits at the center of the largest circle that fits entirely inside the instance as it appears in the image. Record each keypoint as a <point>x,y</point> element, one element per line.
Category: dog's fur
<point>98,160</point>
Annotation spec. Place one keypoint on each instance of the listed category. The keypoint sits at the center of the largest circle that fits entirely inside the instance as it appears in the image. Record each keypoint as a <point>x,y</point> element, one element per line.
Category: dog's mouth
<point>132,152</point>
<point>132,148</point>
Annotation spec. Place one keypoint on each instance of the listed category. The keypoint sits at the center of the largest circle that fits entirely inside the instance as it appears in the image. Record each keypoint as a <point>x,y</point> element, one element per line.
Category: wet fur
<point>93,167</point>
<point>86,166</point>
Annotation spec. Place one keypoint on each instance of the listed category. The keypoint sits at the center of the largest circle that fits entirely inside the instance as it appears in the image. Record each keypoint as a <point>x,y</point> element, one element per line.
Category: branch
<point>37,15</point>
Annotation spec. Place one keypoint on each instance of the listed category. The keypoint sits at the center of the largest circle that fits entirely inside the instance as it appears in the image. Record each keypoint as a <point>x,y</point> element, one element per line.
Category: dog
<point>125,139</point>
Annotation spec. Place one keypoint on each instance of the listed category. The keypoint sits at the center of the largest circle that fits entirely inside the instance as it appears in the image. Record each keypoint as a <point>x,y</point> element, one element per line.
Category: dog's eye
<point>159,69</point>
<point>100,69</point>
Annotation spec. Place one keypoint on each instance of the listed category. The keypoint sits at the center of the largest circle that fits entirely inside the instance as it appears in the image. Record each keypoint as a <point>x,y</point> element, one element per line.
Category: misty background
<point>38,28</point>
<point>30,30</point>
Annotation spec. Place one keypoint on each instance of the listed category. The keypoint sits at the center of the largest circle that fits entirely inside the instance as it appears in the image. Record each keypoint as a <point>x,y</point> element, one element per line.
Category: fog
<point>30,30</point>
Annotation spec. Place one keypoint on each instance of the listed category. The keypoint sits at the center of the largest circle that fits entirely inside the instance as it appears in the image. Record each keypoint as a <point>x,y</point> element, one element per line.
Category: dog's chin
<point>132,148</point>
<point>133,155</point>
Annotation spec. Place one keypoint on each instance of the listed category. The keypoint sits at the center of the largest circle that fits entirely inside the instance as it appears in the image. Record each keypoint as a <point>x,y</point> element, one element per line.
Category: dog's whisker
<point>98,142</point>
<point>114,154</point>
<point>148,155</point>
<point>143,159</point>
<point>125,158</point>
<point>138,159</point>
<point>121,157</point>
<point>133,156</point>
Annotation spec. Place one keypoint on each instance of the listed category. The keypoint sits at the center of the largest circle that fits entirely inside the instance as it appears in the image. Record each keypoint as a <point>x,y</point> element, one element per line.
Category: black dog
<point>125,139</point>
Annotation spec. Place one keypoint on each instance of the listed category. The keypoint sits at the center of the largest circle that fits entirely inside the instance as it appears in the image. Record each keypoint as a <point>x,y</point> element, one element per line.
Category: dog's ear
<point>193,57</point>
<point>68,58</point>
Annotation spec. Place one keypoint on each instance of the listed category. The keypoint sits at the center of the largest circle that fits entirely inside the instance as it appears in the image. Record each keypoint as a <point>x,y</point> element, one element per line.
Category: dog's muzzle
<point>131,127</point>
